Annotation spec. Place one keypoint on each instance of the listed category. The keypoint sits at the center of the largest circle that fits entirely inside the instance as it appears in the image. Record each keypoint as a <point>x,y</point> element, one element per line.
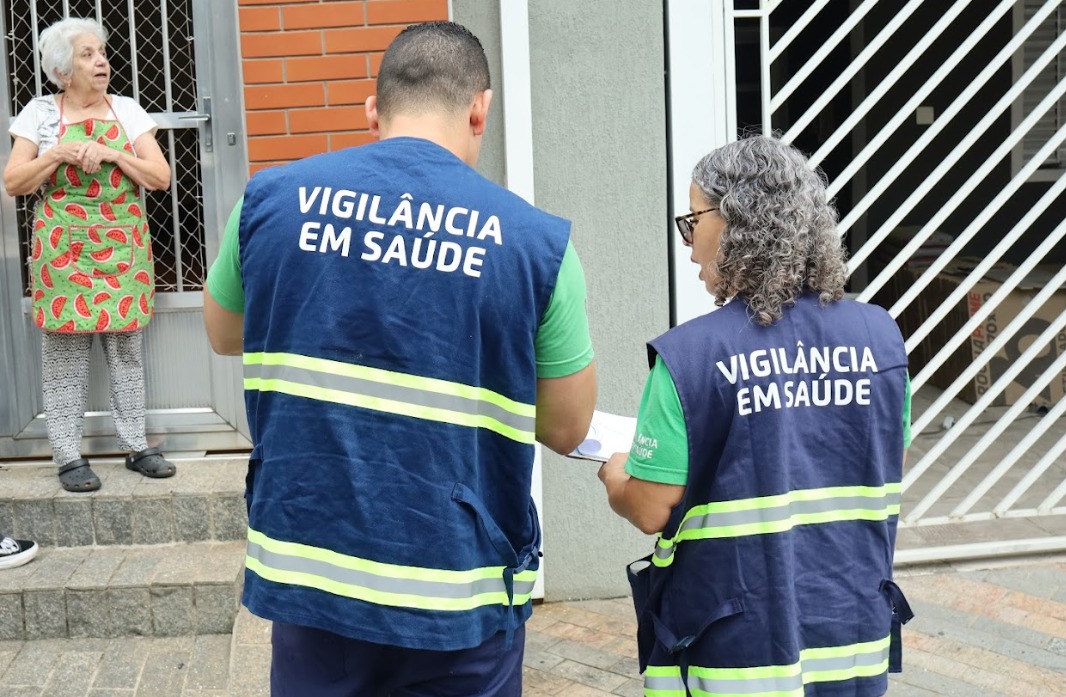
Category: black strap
<point>73,465</point>
<point>901,615</point>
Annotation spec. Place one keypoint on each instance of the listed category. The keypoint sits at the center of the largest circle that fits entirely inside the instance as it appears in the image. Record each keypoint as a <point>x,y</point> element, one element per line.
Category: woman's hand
<point>65,153</point>
<point>92,154</point>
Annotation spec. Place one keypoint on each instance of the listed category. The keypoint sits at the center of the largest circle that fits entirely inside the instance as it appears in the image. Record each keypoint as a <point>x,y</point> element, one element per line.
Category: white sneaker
<point>16,552</point>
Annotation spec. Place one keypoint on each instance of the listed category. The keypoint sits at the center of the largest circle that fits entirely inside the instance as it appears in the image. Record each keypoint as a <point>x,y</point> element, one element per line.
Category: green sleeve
<point>224,278</point>
<point>563,345</point>
<point>907,414</point>
<point>660,446</point>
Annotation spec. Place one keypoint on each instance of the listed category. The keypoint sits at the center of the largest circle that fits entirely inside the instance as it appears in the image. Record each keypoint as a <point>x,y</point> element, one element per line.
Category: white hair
<point>57,46</point>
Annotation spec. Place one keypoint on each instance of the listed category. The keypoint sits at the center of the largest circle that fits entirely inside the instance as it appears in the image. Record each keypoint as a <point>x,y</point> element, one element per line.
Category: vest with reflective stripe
<point>392,300</point>
<point>771,567</point>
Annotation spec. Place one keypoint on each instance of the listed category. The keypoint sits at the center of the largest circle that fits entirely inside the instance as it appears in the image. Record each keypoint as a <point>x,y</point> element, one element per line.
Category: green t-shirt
<point>563,345</point>
<point>660,446</point>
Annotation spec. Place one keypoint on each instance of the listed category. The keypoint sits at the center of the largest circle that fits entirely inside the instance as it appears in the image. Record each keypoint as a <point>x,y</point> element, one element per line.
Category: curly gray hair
<point>780,238</point>
<point>57,46</point>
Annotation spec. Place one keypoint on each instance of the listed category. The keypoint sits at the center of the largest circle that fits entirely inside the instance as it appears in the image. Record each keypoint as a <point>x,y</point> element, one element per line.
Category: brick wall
<point>309,66</point>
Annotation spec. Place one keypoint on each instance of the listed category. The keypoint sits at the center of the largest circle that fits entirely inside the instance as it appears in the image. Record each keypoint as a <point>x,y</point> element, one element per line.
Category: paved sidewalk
<point>980,632</point>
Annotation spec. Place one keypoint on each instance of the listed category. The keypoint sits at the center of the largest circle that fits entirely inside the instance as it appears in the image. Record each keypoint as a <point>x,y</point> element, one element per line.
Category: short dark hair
<point>436,65</point>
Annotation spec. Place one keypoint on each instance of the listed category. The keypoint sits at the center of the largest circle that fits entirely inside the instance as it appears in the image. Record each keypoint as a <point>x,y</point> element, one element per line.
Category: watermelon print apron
<point>91,262</point>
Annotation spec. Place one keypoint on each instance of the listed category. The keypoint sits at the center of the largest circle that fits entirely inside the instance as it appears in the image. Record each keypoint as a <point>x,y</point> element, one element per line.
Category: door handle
<point>203,117</point>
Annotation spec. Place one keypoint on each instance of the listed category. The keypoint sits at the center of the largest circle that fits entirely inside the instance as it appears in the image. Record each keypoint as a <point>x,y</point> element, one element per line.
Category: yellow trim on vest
<point>325,570</point>
<point>430,386</point>
<point>779,513</point>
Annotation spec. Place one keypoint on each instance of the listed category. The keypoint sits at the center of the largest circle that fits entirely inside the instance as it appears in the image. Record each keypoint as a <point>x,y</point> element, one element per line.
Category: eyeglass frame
<point>687,223</point>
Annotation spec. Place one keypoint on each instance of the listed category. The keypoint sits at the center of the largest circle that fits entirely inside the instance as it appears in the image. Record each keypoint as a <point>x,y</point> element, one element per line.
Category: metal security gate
<point>178,59</point>
<point>941,128</point>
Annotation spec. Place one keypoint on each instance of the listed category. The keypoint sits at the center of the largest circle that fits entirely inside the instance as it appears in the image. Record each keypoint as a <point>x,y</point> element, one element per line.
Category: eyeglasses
<point>687,223</point>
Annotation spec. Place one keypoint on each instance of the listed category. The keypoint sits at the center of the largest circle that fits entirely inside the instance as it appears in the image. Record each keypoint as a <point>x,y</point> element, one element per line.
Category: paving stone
<point>209,663</point>
<point>89,613</point>
<point>153,521</point>
<point>46,614</point>
<point>12,619</point>
<point>250,672</point>
<point>131,612</point>
<point>138,568</point>
<point>35,519</point>
<point>72,675</point>
<point>192,518</point>
<point>588,675</point>
<point>112,521</point>
<point>74,521</point>
<point>96,570</point>
<point>229,515</point>
<point>111,693</point>
<point>249,629</point>
<point>630,688</point>
<point>168,659</point>
<point>7,517</point>
<point>121,664</point>
<point>172,613</point>
<point>6,656</point>
<point>33,665</point>
<point>214,608</point>
<point>54,569</point>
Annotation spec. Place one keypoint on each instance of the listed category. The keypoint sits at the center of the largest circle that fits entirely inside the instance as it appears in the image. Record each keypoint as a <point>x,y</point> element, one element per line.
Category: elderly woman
<point>769,452</point>
<point>90,154</point>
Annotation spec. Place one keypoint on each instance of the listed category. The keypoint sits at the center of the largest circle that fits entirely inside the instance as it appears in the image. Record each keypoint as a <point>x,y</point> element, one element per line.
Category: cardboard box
<point>982,336</point>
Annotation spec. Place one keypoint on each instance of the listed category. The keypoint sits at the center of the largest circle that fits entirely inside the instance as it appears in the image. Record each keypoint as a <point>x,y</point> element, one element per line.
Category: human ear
<point>479,112</point>
<point>372,118</point>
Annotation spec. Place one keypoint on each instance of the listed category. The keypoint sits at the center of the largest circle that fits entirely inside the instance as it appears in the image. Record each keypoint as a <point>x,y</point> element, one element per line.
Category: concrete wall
<point>599,138</point>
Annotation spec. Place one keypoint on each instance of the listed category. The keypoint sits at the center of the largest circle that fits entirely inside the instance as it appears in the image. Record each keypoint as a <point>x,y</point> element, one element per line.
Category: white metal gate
<point>941,128</point>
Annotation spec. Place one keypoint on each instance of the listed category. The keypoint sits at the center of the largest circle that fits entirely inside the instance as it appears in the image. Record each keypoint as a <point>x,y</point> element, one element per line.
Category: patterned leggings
<point>65,384</point>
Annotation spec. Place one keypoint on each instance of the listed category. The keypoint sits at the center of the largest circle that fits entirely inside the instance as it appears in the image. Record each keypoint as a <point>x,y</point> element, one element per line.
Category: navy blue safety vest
<point>392,300</point>
<point>773,575</point>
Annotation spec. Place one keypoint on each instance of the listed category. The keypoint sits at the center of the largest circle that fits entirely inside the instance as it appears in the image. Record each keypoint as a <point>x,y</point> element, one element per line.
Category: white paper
<point>608,434</point>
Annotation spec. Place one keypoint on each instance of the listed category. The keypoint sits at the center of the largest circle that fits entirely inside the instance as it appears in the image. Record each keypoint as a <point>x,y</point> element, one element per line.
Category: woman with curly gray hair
<point>769,452</point>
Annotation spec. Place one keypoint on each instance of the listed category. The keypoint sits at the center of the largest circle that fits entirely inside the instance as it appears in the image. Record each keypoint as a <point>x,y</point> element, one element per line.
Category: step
<point>177,589</point>
<point>204,501</point>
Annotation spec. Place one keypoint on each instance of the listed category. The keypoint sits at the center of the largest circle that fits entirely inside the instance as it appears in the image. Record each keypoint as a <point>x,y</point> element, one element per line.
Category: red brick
<point>350,91</point>
<point>328,14</point>
<point>264,123</point>
<point>405,11</point>
<point>339,141</point>
<point>327,120</point>
<point>375,62</point>
<point>325,68</point>
<point>260,71</point>
<point>260,19</point>
<point>242,3</point>
<point>291,43</point>
<point>256,167</point>
<point>283,96</point>
<point>360,39</point>
<point>285,147</point>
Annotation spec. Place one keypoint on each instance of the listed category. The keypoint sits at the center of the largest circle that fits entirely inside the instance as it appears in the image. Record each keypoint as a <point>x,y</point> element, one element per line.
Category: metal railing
<point>989,161</point>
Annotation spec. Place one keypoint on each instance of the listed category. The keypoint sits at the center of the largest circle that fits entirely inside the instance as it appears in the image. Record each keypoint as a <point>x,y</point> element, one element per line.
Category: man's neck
<point>446,133</point>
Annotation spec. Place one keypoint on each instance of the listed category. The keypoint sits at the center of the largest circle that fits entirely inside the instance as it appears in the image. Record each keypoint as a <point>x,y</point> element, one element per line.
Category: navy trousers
<point>314,663</point>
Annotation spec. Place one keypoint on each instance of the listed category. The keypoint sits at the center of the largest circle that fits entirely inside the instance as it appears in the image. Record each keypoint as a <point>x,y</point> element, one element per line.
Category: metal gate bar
<point>1028,134</point>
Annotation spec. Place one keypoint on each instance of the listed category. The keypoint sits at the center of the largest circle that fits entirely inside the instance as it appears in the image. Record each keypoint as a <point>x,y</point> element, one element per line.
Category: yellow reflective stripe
<point>380,583</point>
<point>388,391</point>
<point>826,664</point>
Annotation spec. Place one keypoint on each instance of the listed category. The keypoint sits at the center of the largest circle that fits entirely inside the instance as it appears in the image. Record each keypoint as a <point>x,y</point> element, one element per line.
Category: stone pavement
<point>982,630</point>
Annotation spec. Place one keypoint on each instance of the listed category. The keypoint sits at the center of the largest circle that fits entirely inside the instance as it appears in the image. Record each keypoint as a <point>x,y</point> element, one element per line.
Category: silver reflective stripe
<point>664,682</point>
<point>776,514</point>
<point>397,393</point>
<point>789,684</point>
<point>384,584</point>
<point>872,658</point>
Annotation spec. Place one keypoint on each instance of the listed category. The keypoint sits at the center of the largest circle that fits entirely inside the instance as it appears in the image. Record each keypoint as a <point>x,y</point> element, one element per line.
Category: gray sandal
<point>77,476</point>
<point>151,463</point>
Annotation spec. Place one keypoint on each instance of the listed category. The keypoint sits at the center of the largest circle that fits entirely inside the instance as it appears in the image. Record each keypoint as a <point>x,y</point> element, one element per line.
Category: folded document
<point>608,434</point>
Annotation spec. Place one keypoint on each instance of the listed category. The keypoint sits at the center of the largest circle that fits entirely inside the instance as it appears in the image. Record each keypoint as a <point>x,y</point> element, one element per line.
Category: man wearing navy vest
<point>409,329</point>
